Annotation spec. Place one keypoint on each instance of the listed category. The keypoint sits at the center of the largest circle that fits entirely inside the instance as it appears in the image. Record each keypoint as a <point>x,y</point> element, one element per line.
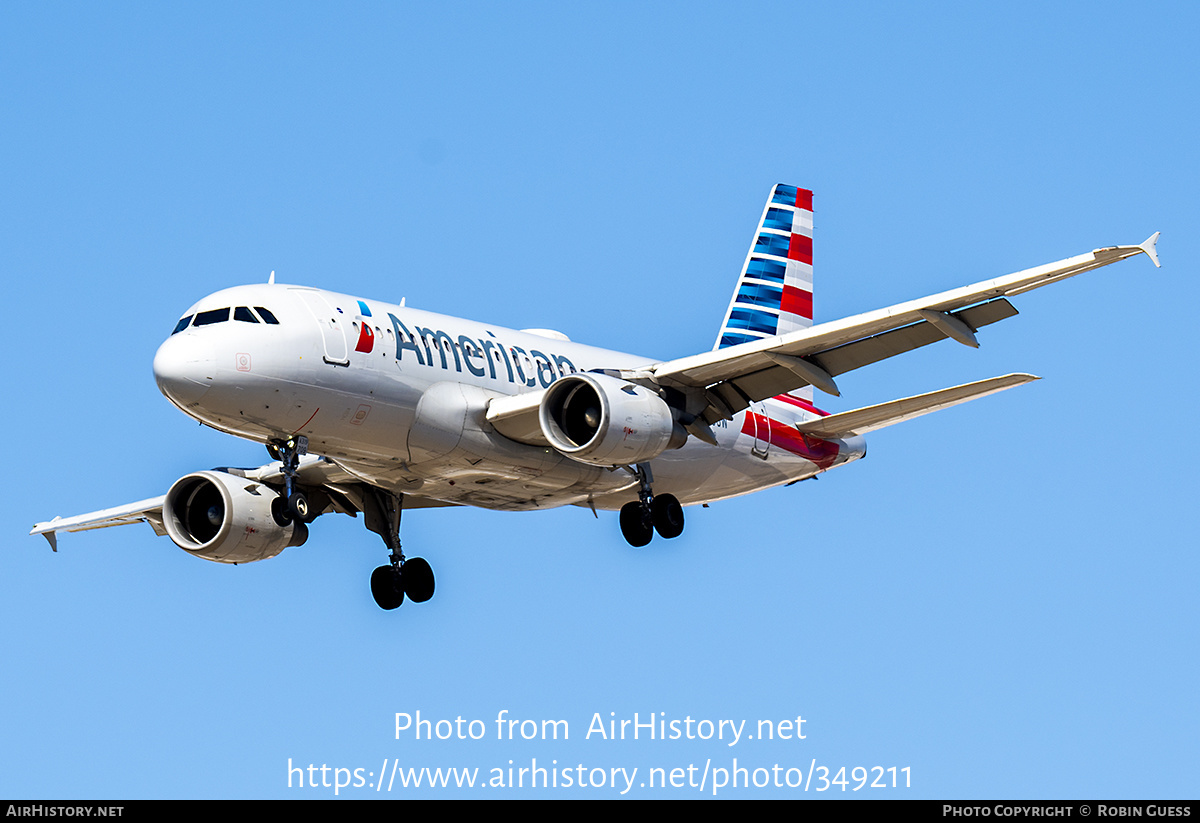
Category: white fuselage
<point>401,404</point>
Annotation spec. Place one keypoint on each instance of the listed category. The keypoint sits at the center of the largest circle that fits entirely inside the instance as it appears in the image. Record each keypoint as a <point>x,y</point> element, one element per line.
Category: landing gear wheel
<point>298,507</point>
<point>280,513</point>
<point>289,452</point>
<point>385,587</point>
<point>667,515</point>
<point>416,578</point>
<point>405,577</point>
<point>636,525</point>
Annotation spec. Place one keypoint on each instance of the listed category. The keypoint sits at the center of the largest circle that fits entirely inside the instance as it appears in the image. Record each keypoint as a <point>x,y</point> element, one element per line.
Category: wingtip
<point>45,530</point>
<point>1149,247</point>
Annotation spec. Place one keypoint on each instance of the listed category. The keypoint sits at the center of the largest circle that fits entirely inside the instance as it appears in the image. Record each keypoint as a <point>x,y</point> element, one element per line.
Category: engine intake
<point>227,519</point>
<point>606,421</point>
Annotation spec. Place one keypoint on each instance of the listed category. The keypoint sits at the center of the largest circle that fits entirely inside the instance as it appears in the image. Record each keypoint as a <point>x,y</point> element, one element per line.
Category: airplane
<point>372,408</point>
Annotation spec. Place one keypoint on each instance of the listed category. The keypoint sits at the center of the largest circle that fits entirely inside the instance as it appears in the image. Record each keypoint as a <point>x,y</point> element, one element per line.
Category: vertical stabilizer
<point>774,292</point>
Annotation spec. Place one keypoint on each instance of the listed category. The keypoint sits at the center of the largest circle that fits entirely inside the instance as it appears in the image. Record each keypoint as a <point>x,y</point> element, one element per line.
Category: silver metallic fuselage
<point>401,404</point>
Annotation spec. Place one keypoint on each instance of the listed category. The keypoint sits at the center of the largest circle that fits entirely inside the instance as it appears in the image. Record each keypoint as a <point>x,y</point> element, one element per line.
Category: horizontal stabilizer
<point>870,418</point>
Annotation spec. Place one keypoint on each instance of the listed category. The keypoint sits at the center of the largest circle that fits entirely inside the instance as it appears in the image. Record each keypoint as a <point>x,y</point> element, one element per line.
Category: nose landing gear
<point>650,512</point>
<point>295,502</point>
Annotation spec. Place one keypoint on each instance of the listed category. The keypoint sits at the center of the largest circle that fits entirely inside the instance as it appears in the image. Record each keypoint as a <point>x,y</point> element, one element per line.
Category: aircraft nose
<point>184,368</point>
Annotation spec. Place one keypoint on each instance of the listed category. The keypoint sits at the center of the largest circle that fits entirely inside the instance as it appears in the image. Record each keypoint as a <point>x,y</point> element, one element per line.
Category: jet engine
<point>606,421</point>
<point>228,519</point>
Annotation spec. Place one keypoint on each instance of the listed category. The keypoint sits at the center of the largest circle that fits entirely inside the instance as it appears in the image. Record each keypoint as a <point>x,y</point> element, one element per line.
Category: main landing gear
<point>650,512</point>
<point>389,584</point>
<point>411,577</point>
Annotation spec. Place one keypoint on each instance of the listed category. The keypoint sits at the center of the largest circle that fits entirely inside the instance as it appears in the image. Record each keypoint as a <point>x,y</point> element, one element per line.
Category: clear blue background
<point>1001,597</point>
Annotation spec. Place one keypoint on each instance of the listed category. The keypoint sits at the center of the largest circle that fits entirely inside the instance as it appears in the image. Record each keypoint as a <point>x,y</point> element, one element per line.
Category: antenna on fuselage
<point>402,299</point>
<point>271,279</point>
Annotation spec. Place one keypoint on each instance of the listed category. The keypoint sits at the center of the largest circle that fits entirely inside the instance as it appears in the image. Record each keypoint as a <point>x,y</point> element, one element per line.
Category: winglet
<point>50,535</point>
<point>1149,248</point>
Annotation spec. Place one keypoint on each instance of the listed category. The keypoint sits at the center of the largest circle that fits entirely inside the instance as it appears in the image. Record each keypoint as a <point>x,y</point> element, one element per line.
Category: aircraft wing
<point>733,377</point>
<point>727,380</point>
<point>313,471</point>
<point>144,511</point>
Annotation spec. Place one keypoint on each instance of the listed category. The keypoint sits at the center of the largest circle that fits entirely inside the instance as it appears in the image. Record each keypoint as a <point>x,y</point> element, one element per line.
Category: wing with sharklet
<point>731,378</point>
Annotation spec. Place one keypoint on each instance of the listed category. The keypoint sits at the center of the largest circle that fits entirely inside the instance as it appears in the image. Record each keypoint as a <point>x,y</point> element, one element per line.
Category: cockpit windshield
<point>242,313</point>
<point>207,318</point>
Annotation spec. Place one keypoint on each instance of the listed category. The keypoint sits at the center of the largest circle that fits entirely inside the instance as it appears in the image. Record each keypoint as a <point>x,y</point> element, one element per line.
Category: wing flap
<point>870,418</point>
<point>878,347</point>
<point>776,380</point>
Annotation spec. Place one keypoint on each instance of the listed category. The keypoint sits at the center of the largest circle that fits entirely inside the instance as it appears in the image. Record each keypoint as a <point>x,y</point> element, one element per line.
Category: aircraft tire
<point>667,515</point>
<point>416,577</point>
<point>385,588</point>
<point>298,506</point>
<point>636,525</point>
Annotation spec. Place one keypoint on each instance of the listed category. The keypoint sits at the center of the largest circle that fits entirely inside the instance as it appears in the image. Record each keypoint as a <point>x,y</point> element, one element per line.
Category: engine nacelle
<point>227,519</point>
<point>606,421</point>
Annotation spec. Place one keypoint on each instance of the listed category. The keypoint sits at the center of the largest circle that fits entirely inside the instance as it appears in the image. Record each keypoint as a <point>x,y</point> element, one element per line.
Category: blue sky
<point>1001,597</point>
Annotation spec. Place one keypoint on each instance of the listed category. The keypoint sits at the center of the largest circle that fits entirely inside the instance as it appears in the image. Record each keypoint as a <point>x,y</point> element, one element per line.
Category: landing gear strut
<point>294,504</point>
<point>402,576</point>
<point>650,512</point>
<point>292,509</point>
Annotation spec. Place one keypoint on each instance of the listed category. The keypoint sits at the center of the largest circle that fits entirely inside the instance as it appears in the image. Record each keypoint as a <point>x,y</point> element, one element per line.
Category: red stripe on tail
<point>800,248</point>
<point>796,301</point>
